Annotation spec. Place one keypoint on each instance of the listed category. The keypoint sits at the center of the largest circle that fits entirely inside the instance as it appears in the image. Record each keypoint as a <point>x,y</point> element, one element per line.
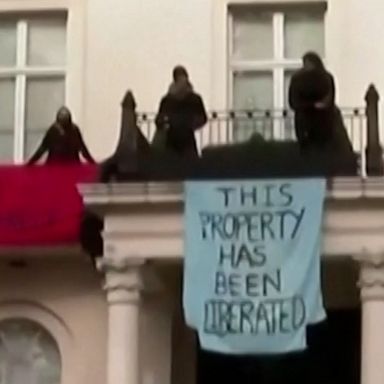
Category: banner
<point>252,263</point>
<point>40,205</point>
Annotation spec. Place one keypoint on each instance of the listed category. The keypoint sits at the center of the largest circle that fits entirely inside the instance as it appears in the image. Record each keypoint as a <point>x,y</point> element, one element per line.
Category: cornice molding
<point>135,214</point>
<point>356,188</point>
<point>172,192</point>
<point>34,5</point>
<point>131,193</point>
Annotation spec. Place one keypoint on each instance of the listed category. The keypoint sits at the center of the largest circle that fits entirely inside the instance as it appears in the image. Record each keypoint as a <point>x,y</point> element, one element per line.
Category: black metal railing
<point>237,126</point>
<point>227,127</point>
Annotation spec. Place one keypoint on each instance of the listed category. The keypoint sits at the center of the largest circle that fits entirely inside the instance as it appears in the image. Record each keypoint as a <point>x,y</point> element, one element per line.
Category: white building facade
<point>240,54</point>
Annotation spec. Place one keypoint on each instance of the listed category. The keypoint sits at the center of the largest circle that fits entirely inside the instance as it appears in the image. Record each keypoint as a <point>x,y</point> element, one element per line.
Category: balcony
<point>234,127</point>
<point>143,210</point>
<point>146,220</point>
<point>142,240</point>
<point>267,137</point>
<point>233,144</point>
<point>143,246</point>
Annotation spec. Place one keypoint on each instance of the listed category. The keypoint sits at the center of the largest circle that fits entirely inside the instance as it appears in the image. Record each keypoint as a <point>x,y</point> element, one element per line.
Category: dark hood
<point>67,123</point>
<point>180,92</point>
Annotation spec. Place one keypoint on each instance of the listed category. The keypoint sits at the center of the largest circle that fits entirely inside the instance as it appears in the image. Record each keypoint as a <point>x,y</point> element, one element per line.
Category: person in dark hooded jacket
<point>312,97</point>
<point>63,142</point>
<point>181,113</point>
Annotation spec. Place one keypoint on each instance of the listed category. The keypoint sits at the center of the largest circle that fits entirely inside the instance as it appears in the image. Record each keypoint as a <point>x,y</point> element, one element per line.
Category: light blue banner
<point>252,263</point>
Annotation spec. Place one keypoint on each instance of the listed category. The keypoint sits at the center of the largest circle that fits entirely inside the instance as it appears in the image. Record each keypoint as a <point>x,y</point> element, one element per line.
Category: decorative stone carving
<point>371,281</point>
<point>123,279</point>
<point>126,279</point>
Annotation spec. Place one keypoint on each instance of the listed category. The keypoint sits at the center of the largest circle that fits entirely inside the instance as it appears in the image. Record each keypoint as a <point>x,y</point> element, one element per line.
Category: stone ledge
<point>99,195</point>
<point>146,220</point>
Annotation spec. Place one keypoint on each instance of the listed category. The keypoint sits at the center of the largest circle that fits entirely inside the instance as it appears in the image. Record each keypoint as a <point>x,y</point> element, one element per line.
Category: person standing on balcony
<point>63,142</point>
<point>312,97</point>
<point>181,113</point>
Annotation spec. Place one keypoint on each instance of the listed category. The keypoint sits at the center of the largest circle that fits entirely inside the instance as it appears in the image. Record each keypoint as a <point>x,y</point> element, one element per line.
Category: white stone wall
<point>63,295</point>
<point>118,44</point>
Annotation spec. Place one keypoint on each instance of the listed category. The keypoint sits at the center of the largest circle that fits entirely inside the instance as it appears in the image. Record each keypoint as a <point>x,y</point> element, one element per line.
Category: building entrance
<point>333,357</point>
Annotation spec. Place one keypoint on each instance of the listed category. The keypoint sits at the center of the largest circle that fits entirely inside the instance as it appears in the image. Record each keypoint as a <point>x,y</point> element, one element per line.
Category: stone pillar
<point>372,296</point>
<point>124,285</point>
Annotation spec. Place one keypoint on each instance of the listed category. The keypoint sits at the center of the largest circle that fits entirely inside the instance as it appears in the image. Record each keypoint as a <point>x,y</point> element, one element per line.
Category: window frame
<point>21,71</point>
<point>39,330</point>
<point>278,65</point>
<point>54,324</point>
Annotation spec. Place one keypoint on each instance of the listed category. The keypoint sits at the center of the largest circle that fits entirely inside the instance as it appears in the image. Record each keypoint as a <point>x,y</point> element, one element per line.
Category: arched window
<point>28,354</point>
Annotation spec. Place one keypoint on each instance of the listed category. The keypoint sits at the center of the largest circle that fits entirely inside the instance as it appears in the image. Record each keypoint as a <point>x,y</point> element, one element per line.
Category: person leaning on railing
<point>181,113</point>
<point>63,142</point>
<point>312,97</point>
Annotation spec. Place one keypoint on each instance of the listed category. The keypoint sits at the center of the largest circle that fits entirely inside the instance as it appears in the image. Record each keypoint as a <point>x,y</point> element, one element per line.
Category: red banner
<point>41,205</point>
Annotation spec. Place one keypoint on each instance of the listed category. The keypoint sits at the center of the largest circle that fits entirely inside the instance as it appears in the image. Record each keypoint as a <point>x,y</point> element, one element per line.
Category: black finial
<point>124,162</point>
<point>129,101</point>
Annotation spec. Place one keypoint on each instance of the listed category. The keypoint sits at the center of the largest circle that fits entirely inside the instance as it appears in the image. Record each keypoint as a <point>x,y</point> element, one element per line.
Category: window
<point>32,81</point>
<point>266,46</point>
<point>28,354</point>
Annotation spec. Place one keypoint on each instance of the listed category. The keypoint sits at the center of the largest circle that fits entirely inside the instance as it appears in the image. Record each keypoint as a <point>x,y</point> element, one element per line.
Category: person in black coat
<point>312,97</point>
<point>181,113</point>
<point>63,142</point>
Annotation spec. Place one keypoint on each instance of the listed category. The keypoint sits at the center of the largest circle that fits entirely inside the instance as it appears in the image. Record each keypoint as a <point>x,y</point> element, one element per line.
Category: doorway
<point>332,357</point>
<point>334,347</point>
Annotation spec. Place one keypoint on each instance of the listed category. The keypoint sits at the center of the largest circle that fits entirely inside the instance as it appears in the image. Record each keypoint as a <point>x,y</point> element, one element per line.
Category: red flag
<point>41,205</point>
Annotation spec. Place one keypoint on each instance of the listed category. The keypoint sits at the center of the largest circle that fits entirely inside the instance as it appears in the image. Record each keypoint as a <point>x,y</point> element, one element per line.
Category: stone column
<point>372,296</point>
<point>124,285</point>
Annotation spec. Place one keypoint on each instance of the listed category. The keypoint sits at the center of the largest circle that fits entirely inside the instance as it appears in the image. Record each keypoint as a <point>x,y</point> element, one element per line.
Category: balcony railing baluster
<point>226,127</point>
